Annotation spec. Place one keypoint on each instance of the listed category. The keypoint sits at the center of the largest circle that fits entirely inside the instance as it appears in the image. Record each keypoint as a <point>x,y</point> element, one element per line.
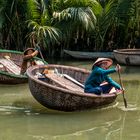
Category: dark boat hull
<point>89,55</point>
<point>6,78</point>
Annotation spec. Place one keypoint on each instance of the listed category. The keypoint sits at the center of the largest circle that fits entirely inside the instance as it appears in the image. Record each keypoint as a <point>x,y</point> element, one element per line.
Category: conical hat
<point>102,60</point>
<point>25,52</point>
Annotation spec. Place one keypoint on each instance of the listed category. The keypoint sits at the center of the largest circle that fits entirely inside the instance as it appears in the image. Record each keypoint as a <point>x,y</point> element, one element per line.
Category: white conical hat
<point>102,60</point>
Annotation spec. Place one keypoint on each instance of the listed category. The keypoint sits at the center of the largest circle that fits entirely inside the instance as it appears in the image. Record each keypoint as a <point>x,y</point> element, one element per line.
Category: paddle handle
<point>124,99</point>
<point>40,53</point>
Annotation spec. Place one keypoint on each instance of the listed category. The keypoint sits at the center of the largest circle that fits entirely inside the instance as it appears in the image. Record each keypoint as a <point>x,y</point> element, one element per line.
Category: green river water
<point>23,118</point>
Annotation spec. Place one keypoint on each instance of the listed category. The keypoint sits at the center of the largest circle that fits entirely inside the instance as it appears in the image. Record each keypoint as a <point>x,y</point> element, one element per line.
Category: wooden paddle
<point>40,53</point>
<point>69,78</point>
<point>73,80</point>
<point>124,99</point>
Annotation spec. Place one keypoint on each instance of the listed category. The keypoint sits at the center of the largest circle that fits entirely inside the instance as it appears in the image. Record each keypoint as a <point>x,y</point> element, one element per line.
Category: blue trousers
<point>100,89</point>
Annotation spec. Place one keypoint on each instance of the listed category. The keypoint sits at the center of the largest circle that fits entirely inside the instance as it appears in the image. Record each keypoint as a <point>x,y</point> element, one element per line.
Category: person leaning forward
<point>99,74</point>
<point>28,60</point>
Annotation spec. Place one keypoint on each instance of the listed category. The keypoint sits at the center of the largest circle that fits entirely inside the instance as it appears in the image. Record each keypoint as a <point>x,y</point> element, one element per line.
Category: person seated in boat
<point>28,60</point>
<point>99,75</point>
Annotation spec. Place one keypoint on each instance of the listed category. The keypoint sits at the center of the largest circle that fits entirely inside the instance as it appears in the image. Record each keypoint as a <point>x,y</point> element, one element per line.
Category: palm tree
<point>106,16</point>
<point>12,27</point>
<point>75,18</point>
<point>41,28</point>
<point>127,23</point>
<point>133,26</point>
<point>65,23</point>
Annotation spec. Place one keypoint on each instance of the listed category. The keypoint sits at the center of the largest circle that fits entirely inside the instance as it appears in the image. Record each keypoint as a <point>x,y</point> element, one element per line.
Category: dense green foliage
<point>91,25</point>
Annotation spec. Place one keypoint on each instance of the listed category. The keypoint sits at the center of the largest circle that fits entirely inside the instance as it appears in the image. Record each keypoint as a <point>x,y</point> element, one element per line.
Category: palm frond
<point>49,33</point>
<point>82,16</point>
<point>105,18</point>
<point>38,11</point>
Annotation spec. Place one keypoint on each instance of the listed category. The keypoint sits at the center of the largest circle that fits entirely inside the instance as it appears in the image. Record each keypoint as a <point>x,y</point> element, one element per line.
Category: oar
<point>69,78</point>
<point>73,80</point>
<point>40,53</point>
<point>124,99</point>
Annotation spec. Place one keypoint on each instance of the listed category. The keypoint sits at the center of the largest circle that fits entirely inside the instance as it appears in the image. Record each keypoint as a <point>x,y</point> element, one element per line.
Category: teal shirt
<point>99,75</point>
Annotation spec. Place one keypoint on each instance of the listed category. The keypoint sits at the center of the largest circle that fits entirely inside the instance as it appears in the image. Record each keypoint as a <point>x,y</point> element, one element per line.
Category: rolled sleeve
<point>112,82</point>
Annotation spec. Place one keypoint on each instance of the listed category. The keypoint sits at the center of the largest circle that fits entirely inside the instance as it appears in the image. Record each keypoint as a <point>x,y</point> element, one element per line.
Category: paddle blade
<point>125,102</point>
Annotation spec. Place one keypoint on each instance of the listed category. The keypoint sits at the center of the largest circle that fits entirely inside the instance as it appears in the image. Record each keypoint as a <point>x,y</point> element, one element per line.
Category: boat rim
<point>31,76</point>
<point>127,51</point>
<point>10,51</point>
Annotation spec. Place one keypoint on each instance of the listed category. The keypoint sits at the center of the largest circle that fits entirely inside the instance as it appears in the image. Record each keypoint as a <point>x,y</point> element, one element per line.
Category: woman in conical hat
<point>28,60</point>
<point>99,74</point>
<point>108,62</point>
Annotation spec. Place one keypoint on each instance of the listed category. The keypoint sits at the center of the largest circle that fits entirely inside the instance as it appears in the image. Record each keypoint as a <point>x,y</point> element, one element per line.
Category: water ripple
<point>5,108</point>
<point>131,107</point>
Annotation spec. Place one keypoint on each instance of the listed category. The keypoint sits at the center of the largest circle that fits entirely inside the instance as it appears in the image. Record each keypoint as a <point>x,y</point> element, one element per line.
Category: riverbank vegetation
<point>85,25</point>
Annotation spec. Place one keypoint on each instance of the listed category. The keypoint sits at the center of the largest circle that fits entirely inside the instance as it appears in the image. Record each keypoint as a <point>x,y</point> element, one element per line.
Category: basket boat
<point>88,55</point>
<point>55,96</point>
<point>6,75</point>
<point>127,56</point>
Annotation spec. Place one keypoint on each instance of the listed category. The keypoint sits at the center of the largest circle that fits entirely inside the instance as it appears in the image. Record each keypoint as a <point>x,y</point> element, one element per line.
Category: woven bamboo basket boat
<point>6,76</point>
<point>54,96</point>
<point>127,56</point>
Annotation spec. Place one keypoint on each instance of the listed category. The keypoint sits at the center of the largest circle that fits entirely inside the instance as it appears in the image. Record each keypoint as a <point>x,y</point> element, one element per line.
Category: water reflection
<point>81,125</point>
<point>22,117</point>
